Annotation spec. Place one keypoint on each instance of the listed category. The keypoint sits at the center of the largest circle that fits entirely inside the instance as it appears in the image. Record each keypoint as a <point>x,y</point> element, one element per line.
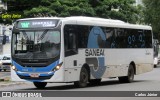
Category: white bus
<point>79,49</point>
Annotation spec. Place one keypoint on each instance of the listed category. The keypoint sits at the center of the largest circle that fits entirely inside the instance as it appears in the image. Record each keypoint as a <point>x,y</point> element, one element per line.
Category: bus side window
<point>148,41</point>
<point>70,40</point>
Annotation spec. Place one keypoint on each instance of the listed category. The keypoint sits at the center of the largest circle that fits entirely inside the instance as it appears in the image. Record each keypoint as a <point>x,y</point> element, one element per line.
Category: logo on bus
<point>95,56</point>
<point>94,52</point>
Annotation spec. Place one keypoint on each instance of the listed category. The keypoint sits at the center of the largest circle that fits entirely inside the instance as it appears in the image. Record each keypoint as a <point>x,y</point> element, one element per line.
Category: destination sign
<point>24,24</point>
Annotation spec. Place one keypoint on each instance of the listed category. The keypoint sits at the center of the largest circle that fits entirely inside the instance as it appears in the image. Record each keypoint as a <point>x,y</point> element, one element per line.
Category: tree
<point>152,15</point>
<point>63,8</point>
<point>114,9</point>
<point>100,8</point>
<point>17,7</point>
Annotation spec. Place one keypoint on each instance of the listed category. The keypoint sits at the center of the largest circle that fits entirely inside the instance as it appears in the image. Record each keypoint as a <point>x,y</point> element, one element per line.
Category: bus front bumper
<point>35,75</point>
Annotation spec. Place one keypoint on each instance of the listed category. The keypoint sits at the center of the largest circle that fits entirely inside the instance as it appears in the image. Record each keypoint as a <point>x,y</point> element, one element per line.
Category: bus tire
<point>130,77</point>
<point>40,85</point>
<point>84,76</point>
<point>95,81</point>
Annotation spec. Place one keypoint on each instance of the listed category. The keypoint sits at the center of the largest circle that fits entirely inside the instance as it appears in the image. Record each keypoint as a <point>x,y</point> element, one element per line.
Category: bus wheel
<point>95,81</point>
<point>130,77</point>
<point>40,85</point>
<point>83,78</point>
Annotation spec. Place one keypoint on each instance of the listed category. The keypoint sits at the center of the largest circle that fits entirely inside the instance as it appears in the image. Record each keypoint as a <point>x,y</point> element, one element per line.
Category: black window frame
<point>117,35</point>
<point>69,49</point>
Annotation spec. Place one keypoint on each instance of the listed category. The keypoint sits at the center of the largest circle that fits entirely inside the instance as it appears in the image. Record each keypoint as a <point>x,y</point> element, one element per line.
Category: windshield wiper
<point>42,36</point>
<point>25,35</point>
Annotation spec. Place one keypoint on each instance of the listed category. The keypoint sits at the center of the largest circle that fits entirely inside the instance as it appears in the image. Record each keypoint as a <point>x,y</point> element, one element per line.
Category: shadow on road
<point>158,66</point>
<point>72,87</point>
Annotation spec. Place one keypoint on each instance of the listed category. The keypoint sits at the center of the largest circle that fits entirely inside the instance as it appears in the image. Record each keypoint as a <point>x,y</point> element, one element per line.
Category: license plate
<point>35,75</point>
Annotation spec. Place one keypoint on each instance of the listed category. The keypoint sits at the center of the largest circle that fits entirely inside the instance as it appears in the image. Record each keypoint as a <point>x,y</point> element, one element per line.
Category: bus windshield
<point>36,44</point>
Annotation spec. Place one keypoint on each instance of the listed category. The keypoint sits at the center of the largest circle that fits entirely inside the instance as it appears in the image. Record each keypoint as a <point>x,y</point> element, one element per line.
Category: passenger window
<point>70,40</point>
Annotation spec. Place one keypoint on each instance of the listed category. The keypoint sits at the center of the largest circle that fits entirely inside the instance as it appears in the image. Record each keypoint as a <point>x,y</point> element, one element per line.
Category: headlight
<point>155,58</point>
<point>13,67</point>
<point>58,67</point>
<point>1,62</point>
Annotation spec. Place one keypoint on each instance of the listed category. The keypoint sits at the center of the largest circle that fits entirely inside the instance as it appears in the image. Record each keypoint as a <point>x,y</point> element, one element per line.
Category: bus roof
<point>82,20</point>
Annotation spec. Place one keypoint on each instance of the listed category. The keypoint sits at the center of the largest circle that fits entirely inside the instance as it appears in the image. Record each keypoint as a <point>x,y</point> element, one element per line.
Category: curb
<point>4,79</point>
<point>4,82</point>
<point>10,84</point>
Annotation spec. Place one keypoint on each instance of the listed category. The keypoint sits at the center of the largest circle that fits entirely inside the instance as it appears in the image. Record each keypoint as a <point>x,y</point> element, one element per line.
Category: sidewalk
<point>6,81</point>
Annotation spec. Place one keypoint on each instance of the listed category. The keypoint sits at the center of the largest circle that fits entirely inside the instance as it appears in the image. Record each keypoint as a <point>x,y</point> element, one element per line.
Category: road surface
<point>144,82</point>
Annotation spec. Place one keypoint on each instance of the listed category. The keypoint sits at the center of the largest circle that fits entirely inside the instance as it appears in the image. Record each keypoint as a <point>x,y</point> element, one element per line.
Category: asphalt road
<point>144,82</point>
<point>4,74</point>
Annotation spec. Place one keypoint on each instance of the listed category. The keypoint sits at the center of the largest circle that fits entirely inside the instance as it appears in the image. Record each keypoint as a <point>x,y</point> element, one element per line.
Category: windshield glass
<point>37,44</point>
<point>6,58</point>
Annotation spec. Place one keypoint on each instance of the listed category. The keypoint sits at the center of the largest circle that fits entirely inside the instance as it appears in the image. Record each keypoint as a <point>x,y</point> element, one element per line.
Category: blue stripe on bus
<point>27,74</point>
<point>35,69</point>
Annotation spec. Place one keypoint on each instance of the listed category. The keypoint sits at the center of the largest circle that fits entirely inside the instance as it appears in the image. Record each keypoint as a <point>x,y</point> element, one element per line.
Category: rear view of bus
<point>36,51</point>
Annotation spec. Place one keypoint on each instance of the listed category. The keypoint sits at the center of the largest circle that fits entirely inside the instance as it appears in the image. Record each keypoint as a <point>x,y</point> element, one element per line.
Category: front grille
<point>6,63</point>
<point>34,63</point>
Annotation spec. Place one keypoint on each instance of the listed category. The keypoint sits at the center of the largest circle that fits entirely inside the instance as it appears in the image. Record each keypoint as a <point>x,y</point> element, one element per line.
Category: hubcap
<point>84,77</point>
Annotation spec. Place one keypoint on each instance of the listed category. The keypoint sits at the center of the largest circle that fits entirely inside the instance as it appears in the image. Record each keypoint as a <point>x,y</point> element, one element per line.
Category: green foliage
<point>36,11</point>
<point>115,9</point>
<point>108,9</point>
<point>152,14</point>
